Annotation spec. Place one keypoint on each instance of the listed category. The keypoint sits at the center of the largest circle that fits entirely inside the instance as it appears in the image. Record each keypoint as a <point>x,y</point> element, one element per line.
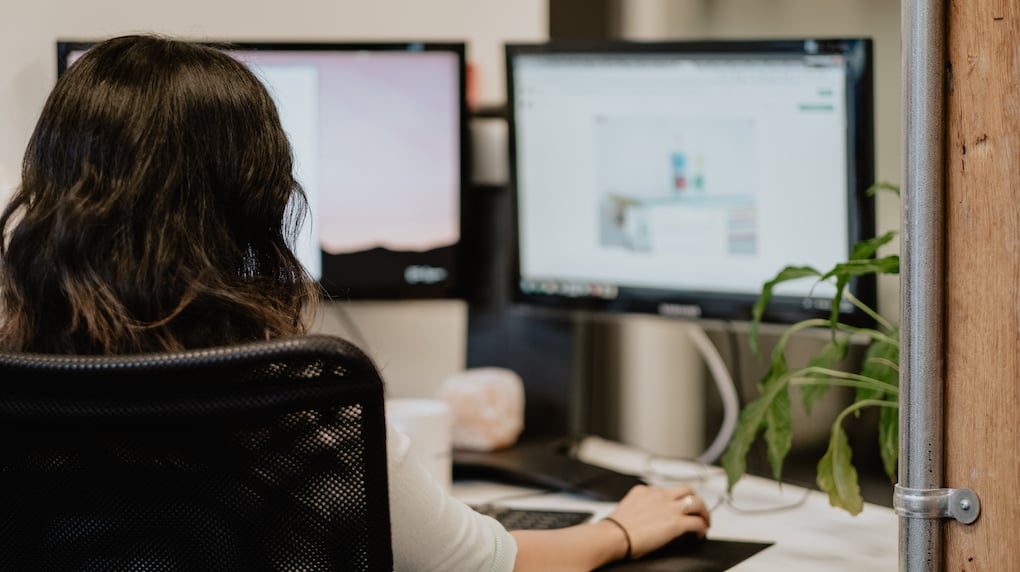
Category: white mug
<point>428,423</point>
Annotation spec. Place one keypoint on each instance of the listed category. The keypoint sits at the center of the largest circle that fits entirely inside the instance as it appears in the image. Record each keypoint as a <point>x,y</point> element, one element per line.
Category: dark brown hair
<point>155,208</point>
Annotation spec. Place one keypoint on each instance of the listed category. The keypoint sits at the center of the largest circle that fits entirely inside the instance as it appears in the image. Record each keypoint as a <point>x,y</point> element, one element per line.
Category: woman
<point>155,210</point>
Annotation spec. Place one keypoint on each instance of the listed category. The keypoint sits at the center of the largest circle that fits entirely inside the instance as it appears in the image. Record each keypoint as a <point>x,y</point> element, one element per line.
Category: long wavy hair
<point>155,210</point>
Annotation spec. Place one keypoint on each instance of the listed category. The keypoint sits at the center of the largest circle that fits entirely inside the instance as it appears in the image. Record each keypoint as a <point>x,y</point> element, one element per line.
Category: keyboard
<point>546,465</point>
<point>533,519</point>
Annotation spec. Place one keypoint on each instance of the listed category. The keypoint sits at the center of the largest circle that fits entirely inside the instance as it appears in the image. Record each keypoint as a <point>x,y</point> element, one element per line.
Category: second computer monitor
<point>676,178</point>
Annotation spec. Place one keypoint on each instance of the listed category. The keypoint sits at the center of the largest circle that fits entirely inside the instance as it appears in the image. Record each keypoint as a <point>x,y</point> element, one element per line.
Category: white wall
<point>29,29</point>
<point>419,343</point>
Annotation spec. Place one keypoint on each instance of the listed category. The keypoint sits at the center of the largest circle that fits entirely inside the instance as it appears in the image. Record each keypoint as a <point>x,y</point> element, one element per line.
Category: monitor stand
<point>547,464</point>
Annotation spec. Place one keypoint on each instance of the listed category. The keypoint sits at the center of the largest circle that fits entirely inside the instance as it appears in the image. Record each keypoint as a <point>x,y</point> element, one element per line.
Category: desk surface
<point>807,533</point>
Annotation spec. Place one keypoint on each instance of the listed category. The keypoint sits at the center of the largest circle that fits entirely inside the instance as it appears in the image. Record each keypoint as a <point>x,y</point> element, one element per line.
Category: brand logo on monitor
<point>421,274</point>
<point>680,310</point>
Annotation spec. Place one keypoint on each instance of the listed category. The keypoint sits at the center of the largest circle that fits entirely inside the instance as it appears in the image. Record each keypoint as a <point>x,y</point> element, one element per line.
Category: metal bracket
<point>960,504</point>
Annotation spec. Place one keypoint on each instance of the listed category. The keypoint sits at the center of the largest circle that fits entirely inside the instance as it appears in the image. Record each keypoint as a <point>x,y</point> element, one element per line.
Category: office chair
<point>263,456</point>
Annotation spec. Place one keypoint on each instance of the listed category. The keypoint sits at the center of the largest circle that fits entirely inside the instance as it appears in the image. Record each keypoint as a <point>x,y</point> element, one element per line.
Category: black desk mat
<point>686,555</point>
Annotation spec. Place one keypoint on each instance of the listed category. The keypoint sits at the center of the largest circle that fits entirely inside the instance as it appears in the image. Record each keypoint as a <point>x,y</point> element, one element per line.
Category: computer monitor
<point>676,178</point>
<point>378,132</point>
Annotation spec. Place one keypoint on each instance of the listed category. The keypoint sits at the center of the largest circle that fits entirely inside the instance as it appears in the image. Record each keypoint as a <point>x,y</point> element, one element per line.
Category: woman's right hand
<point>652,516</point>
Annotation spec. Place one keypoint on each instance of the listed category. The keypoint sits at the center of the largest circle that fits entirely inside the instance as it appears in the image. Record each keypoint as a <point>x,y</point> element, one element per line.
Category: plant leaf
<point>837,475</point>
<point>828,357</point>
<point>734,458</point>
<point>785,275</point>
<point>888,439</point>
<point>844,271</point>
<point>873,189</point>
<point>876,365</point>
<point>751,421</point>
<point>779,431</point>
<point>885,265</point>
<point>859,264</point>
<point>865,249</point>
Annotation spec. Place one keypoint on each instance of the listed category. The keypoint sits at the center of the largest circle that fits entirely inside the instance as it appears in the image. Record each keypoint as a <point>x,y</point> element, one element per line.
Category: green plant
<point>876,384</point>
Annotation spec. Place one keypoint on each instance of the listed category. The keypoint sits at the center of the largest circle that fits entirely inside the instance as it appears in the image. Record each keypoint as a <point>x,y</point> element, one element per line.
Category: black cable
<point>351,326</point>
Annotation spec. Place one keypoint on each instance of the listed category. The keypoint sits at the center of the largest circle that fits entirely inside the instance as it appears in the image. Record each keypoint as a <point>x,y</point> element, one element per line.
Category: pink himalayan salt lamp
<point>488,408</point>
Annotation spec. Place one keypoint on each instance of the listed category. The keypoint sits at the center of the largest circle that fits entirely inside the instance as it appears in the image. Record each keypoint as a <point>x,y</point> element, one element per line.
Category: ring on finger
<point>688,502</point>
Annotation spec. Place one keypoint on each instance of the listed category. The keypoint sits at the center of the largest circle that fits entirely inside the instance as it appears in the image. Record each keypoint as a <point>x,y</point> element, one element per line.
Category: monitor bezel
<point>695,304</point>
<point>457,286</point>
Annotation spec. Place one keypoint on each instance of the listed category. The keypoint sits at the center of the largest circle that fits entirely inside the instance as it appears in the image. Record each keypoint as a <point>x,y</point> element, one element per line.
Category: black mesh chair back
<point>263,456</point>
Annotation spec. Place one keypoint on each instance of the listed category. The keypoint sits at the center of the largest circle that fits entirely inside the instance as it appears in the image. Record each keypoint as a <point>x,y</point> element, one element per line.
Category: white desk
<point>808,534</point>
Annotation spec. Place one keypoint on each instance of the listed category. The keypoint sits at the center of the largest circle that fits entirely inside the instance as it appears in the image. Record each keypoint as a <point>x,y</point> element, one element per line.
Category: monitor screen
<point>676,178</point>
<point>378,136</point>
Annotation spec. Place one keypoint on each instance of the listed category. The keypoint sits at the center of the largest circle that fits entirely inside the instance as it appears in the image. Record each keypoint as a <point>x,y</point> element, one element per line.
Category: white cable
<point>727,392</point>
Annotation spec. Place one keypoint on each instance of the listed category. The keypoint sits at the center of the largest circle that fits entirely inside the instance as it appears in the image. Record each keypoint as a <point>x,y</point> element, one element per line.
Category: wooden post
<point>982,398</point>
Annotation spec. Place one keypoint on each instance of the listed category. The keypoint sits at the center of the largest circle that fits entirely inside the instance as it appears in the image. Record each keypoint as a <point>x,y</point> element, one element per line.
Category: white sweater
<point>434,531</point>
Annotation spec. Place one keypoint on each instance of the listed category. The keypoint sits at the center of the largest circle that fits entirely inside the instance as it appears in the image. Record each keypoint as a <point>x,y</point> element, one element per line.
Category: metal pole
<point>921,287</point>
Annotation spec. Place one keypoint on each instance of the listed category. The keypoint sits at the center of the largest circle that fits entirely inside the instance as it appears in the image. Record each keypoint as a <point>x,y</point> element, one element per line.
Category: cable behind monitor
<point>727,392</point>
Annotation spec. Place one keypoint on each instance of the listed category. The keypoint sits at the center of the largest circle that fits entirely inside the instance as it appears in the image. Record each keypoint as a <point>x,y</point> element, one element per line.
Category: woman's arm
<point>582,547</point>
<point>431,530</point>
<point>646,519</point>
<point>434,531</point>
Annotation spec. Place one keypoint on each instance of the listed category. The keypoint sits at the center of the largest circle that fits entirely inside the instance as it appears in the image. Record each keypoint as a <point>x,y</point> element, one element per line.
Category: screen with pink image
<point>377,133</point>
